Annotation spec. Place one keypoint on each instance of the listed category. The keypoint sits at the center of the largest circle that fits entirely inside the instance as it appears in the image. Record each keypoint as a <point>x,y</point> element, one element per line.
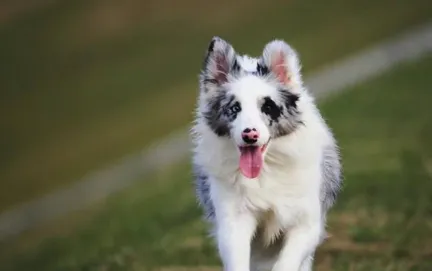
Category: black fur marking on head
<point>262,69</point>
<point>235,67</point>
<point>211,45</point>
<point>284,116</point>
<point>270,108</point>
<point>208,53</point>
<point>290,99</point>
<point>222,111</point>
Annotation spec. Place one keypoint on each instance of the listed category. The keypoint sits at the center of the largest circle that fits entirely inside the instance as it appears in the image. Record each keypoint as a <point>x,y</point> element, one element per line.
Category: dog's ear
<point>220,60</point>
<point>283,62</point>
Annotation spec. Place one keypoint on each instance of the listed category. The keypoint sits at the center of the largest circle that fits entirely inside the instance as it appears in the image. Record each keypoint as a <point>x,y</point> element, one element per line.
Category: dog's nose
<point>250,136</point>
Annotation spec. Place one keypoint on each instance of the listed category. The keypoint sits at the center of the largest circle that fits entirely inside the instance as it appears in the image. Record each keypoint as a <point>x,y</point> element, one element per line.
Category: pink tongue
<point>250,161</point>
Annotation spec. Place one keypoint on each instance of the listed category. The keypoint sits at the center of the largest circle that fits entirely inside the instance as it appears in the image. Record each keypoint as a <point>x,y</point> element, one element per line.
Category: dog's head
<point>250,100</point>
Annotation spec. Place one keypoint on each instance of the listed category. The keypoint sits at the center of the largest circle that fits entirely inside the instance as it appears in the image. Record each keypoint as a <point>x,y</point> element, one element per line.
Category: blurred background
<point>84,84</point>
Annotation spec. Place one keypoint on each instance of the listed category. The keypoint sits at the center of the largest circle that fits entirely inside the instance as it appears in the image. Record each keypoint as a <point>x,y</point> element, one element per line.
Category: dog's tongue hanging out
<point>251,161</point>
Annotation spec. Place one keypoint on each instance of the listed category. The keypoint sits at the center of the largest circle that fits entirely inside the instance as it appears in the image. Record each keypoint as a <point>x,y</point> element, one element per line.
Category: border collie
<point>267,166</point>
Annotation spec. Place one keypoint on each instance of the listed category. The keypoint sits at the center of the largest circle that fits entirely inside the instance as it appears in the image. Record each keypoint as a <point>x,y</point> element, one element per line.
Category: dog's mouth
<point>251,160</point>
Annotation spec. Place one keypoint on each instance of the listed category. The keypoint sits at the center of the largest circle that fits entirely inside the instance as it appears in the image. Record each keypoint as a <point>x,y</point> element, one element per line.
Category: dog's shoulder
<point>331,175</point>
<point>202,187</point>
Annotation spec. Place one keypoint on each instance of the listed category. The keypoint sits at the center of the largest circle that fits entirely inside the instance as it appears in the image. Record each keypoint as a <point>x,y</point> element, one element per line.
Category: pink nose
<point>250,136</point>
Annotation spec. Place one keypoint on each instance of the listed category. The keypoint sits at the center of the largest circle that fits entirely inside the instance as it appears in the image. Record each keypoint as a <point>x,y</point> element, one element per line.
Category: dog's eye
<point>270,108</point>
<point>267,108</point>
<point>234,109</point>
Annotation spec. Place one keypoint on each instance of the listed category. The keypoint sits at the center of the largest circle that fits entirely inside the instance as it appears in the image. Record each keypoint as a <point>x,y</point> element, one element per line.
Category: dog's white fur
<point>284,205</point>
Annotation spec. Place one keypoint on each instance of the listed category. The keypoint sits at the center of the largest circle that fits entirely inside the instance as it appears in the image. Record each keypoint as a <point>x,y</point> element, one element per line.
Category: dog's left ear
<point>219,62</point>
<point>283,62</point>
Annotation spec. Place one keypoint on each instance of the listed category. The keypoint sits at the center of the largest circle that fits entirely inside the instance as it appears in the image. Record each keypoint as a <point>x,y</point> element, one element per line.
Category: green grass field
<point>83,83</point>
<point>382,220</point>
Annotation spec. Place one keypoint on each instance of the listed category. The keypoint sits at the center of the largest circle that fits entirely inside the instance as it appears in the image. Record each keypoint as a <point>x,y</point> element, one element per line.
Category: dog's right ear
<point>283,62</point>
<point>219,62</point>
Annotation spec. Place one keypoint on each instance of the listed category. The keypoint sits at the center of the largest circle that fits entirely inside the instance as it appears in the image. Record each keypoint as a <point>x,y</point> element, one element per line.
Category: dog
<point>267,166</point>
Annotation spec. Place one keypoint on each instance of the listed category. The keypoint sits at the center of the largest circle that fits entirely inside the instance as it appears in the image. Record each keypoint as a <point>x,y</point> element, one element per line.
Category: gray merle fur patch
<point>202,187</point>
<point>222,111</point>
<point>332,177</point>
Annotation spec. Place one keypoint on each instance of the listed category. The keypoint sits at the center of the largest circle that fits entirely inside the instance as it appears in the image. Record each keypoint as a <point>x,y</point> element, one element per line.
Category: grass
<point>382,220</point>
<point>83,83</point>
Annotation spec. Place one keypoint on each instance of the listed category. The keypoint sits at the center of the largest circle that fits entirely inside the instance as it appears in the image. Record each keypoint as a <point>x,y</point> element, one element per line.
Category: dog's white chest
<point>283,197</point>
<point>280,200</point>
<point>274,210</point>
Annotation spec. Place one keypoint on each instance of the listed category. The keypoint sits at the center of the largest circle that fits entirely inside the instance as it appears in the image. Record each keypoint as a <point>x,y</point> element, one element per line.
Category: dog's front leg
<point>235,227</point>
<point>234,234</point>
<point>301,242</point>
